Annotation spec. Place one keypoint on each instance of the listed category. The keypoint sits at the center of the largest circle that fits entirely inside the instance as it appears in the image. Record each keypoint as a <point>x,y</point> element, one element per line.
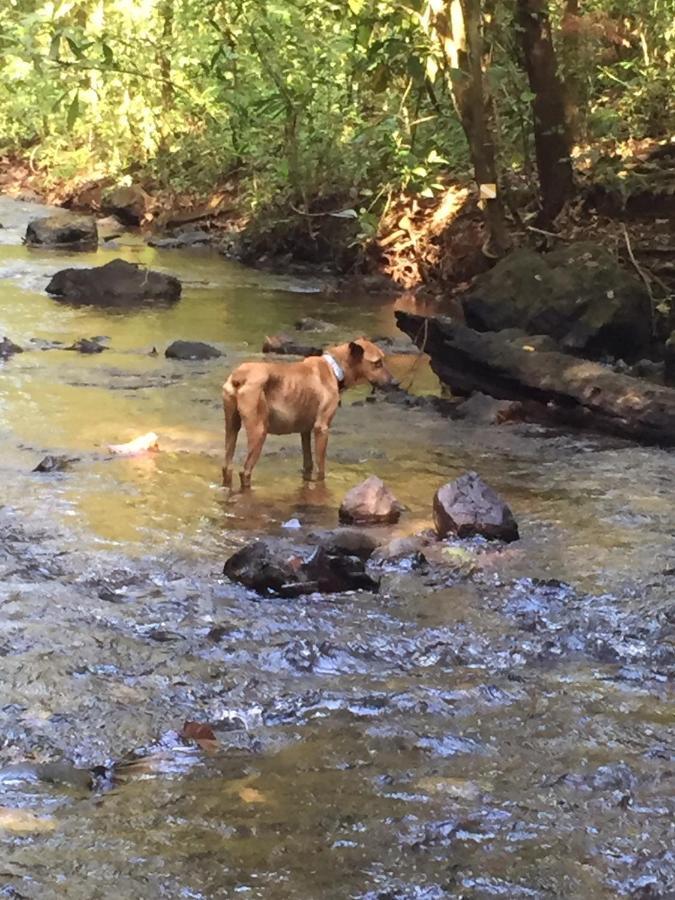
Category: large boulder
<point>579,295</point>
<point>370,503</point>
<point>279,571</point>
<point>118,283</point>
<point>62,230</point>
<point>468,507</point>
<point>130,203</point>
<point>191,350</point>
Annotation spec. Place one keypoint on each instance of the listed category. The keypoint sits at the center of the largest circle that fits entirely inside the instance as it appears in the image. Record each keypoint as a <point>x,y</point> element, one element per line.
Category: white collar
<point>338,371</point>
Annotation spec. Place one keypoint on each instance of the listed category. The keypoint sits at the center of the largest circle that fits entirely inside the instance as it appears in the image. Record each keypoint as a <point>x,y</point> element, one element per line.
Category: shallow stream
<point>505,731</point>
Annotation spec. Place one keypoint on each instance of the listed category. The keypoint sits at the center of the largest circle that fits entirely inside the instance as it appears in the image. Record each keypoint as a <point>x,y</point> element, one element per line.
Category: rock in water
<point>191,350</point>
<point>309,323</point>
<point>579,295</point>
<point>482,409</point>
<point>9,348</point>
<point>467,507</point>
<point>118,283</point>
<point>288,573</point>
<point>53,464</point>
<point>87,345</point>
<point>62,230</point>
<point>109,228</point>
<point>285,345</point>
<point>370,503</point>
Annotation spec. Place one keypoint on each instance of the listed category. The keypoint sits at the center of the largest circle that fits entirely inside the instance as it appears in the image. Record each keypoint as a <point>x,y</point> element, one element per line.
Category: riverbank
<point>433,244</point>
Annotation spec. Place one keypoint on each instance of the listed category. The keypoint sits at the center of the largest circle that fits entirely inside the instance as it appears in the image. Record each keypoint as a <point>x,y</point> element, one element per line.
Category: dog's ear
<point>356,351</point>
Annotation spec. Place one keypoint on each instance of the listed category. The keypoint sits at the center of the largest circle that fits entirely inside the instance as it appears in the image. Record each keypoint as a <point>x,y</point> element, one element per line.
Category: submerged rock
<point>87,345</point>
<point>53,464</point>
<point>44,344</point>
<point>579,295</point>
<point>485,410</point>
<point>307,323</point>
<point>349,541</point>
<point>118,283</point>
<point>289,573</point>
<point>286,345</point>
<point>468,507</point>
<point>193,238</point>
<point>9,348</point>
<point>370,503</point>
<point>62,230</point>
<point>191,350</point>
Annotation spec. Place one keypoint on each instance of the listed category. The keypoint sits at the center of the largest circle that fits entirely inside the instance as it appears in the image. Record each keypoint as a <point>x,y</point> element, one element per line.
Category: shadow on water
<point>489,733</point>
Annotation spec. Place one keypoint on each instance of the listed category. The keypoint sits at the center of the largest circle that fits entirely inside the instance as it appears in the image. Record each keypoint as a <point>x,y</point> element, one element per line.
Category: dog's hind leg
<point>253,412</point>
<point>232,426</point>
<point>307,461</point>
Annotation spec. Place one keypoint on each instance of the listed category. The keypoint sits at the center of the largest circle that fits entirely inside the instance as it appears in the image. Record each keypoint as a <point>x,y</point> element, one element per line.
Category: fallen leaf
<point>252,795</point>
<point>23,821</point>
<point>140,444</point>
<point>197,731</point>
<point>203,735</point>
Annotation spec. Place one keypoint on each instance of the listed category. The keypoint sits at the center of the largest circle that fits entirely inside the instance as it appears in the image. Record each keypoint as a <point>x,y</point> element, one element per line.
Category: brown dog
<point>295,398</point>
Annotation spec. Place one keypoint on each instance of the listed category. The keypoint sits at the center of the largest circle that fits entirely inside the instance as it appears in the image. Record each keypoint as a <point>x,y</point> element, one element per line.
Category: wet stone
<point>468,507</point>
<point>482,409</point>
<point>9,348</point>
<point>350,541</point>
<point>87,345</point>
<point>51,463</point>
<point>117,283</point>
<point>307,323</point>
<point>289,573</point>
<point>62,230</point>
<point>190,350</point>
<point>192,238</point>
<point>286,345</point>
<point>370,503</point>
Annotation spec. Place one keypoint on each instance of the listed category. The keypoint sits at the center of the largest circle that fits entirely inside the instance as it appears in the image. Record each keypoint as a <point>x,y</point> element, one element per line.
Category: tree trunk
<point>564,388</point>
<point>164,53</point>
<point>458,28</point>
<point>551,133</point>
<point>574,88</point>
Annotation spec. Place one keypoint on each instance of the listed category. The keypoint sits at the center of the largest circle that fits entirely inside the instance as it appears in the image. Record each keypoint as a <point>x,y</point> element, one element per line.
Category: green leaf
<point>76,49</point>
<point>55,46</point>
<point>355,6</point>
<point>108,57</point>
<point>73,110</point>
<point>415,68</point>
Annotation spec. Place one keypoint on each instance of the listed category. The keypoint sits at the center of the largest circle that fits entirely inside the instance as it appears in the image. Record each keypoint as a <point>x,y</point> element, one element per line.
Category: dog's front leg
<point>320,447</point>
<point>307,461</point>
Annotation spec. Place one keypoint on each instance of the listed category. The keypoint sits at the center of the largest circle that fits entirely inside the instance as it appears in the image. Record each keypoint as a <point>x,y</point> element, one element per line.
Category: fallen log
<point>569,389</point>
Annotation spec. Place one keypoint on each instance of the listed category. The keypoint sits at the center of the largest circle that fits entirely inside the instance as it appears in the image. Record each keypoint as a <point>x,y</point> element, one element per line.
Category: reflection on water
<point>470,739</point>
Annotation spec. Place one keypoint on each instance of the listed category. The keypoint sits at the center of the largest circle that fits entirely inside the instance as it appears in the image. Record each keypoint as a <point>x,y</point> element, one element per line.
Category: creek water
<point>505,729</point>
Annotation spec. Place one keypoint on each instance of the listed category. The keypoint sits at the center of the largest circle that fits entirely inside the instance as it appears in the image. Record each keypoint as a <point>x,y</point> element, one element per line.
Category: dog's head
<point>366,363</point>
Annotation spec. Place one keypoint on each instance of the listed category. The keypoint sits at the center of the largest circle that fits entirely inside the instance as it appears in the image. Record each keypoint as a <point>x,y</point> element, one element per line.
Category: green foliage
<point>303,100</point>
